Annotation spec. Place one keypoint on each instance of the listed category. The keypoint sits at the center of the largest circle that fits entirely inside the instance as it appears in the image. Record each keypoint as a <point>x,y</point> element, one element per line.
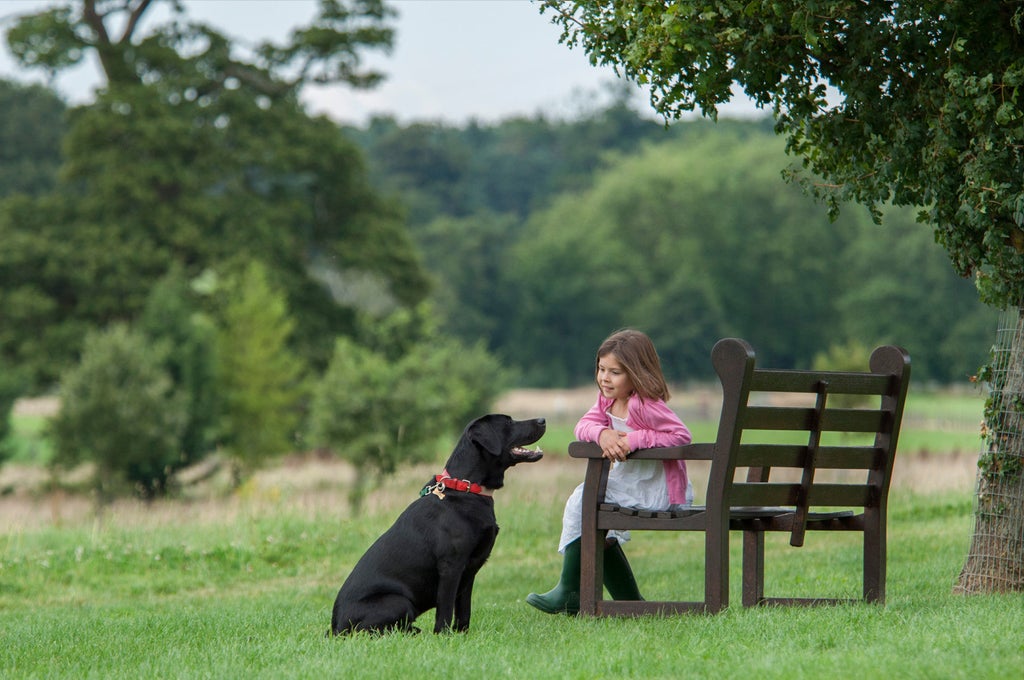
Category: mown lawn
<point>242,586</point>
<point>250,596</point>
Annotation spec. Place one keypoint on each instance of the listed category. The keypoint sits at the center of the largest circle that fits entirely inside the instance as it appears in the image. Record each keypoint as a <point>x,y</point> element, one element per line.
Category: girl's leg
<point>564,598</point>
<point>572,519</point>
<point>618,575</point>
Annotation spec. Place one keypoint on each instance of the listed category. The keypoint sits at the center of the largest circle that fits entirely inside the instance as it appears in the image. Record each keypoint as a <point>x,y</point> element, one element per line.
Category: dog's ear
<point>486,433</point>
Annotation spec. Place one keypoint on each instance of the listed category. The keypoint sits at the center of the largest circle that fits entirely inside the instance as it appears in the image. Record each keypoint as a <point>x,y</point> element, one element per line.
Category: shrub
<point>379,413</point>
<point>119,411</point>
<point>186,337</point>
<point>849,356</point>
<point>261,380</point>
<point>12,384</point>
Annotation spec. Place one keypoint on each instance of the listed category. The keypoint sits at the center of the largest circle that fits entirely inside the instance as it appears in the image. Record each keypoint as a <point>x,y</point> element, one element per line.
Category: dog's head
<point>492,444</point>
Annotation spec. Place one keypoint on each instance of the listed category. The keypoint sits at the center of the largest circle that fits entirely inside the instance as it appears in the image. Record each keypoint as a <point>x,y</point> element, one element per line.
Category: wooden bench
<point>846,423</point>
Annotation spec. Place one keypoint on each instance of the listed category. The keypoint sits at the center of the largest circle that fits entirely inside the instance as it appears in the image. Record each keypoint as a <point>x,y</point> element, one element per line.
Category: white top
<point>636,483</point>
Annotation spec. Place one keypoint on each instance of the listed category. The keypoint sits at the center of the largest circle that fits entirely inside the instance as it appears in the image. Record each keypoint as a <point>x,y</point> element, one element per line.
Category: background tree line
<point>543,235</point>
<point>244,278</point>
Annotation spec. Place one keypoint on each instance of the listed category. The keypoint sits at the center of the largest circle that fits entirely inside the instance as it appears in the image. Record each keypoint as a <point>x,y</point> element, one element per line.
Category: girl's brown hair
<point>636,353</point>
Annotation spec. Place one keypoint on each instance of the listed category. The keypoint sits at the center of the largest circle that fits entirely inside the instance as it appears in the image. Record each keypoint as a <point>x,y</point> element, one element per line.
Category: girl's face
<point>613,379</point>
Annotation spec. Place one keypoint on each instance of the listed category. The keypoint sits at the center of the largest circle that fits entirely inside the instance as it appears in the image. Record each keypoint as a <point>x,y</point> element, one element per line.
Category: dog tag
<point>437,491</point>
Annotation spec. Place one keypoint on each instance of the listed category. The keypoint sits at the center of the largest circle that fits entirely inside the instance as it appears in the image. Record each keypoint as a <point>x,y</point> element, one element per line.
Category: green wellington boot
<point>564,598</point>
<point>618,576</point>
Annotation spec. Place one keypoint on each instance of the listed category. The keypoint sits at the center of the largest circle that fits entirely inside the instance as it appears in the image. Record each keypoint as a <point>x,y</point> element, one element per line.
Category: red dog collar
<point>448,482</point>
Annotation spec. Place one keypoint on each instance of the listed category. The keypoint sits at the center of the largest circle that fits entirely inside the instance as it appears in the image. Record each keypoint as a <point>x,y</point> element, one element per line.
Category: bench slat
<point>688,452</point>
<point>820,494</point>
<point>624,521</point>
<point>840,521</point>
<point>792,456</point>
<point>803,419</point>
<point>772,380</point>
<point>771,518</point>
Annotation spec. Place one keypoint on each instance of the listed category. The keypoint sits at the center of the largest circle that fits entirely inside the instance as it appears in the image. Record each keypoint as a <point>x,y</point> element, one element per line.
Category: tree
<point>664,241</point>
<point>260,379</point>
<point>194,152</point>
<point>11,387</point>
<point>468,257</point>
<point>513,167</point>
<point>429,165</point>
<point>30,138</point>
<point>174,320</point>
<point>120,412</point>
<point>389,406</point>
<point>327,51</point>
<point>925,111</point>
<point>934,314</point>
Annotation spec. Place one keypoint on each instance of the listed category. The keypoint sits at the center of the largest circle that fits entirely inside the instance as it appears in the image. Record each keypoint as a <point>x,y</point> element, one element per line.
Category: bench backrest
<point>786,428</point>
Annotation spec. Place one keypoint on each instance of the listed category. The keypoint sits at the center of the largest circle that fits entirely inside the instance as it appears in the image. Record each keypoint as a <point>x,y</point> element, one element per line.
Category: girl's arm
<point>593,422</point>
<point>656,425</point>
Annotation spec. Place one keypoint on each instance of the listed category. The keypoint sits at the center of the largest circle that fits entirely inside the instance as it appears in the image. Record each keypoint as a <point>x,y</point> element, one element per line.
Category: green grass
<point>250,597</point>
<point>28,440</point>
<point>247,593</point>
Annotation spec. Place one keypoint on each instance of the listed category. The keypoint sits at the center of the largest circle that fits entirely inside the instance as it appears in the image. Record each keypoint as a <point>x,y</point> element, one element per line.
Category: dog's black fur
<point>432,553</point>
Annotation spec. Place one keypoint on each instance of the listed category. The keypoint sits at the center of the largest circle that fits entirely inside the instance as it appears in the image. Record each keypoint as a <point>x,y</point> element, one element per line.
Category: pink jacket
<point>654,424</point>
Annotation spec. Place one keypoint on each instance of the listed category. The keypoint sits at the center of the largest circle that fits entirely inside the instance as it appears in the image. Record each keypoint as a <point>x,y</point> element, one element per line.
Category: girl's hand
<point>614,445</point>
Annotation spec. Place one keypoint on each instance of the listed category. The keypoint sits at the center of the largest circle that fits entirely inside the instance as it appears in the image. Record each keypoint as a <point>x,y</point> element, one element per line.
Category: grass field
<point>242,586</point>
<point>179,592</point>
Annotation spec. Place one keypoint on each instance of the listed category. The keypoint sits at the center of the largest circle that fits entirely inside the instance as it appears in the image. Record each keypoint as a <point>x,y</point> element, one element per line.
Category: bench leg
<point>753,567</point>
<point>874,556</point>
<point>591,571</point>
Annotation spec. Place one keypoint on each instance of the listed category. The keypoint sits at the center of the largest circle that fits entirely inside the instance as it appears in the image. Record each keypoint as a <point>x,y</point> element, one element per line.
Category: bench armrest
<point>688,452</point>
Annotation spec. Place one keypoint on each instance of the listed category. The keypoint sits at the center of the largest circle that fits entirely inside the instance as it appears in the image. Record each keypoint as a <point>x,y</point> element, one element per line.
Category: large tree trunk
<point>996,559</point>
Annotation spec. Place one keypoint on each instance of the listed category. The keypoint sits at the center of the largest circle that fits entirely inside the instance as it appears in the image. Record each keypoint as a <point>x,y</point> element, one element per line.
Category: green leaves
<point>698,238</point>
<point>196,152</point>
<point>389,406</point>
<point>329,50</point>
<point>260,378</point>
<point>926,111</point>
<point>30,138</point>
<point>120,412</point>
<point>48,40</point>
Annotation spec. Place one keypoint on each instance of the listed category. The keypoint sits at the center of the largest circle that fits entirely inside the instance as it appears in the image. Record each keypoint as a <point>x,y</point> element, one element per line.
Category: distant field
<point>935,422</point>
<point>938,447</point>
<point>29,441</point>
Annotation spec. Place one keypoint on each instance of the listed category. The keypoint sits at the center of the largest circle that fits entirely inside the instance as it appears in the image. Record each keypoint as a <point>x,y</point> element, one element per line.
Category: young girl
<point>630,414</point>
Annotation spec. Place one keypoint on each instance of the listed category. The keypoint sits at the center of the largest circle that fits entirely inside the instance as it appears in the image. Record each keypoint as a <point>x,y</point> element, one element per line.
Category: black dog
<point>431,554</point>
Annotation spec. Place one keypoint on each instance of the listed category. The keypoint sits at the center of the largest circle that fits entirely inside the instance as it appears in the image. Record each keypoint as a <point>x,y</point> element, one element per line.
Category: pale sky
<point>453,60</point>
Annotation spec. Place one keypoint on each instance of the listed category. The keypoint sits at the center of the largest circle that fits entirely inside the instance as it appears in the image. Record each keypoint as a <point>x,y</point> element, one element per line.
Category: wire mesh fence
<point>996,559</point>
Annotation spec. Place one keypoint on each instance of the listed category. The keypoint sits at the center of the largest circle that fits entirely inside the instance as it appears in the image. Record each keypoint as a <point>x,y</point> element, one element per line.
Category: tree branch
<point>256,80</point>
<point>95,22</point>
<point>133,19</point>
